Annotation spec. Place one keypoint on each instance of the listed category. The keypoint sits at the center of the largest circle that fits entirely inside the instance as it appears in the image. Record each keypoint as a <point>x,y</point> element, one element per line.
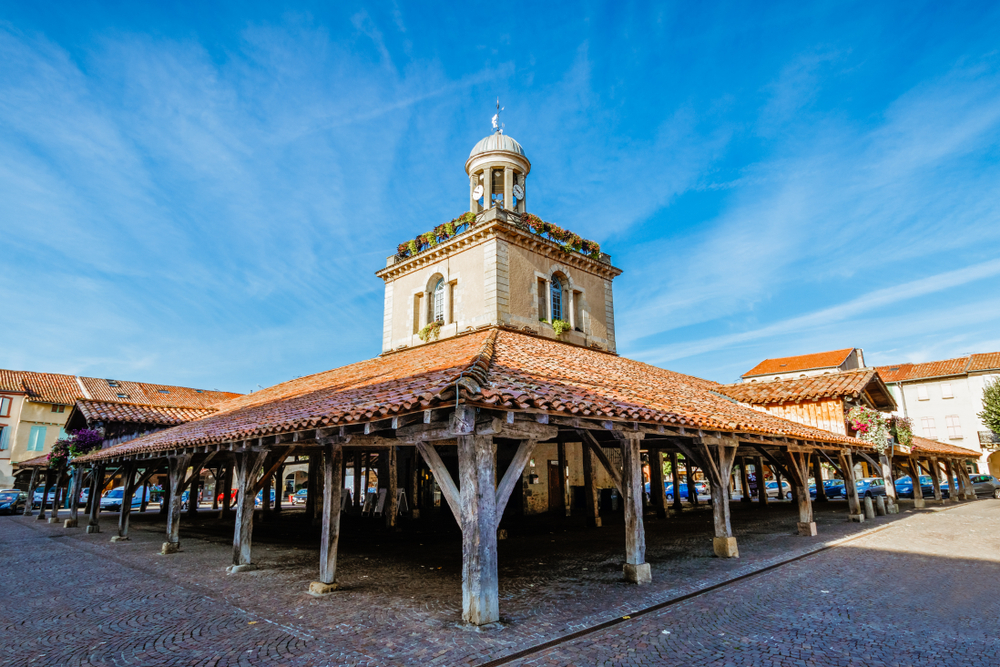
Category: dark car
<point>985,485</point>
<point>834,488</point>
<point>869,487</point>
<point>13,502</point>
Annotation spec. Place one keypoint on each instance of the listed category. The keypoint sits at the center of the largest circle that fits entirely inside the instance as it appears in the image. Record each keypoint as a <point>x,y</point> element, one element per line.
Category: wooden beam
<point>512,477</point>
<point>332,483</point>
<point>480,585</point>
<point>279,461</point>
<point>448,488</point>
<point>590,441</point>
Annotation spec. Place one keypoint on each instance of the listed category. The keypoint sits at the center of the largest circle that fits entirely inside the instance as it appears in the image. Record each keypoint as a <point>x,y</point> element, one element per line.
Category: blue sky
<point>200,194</point>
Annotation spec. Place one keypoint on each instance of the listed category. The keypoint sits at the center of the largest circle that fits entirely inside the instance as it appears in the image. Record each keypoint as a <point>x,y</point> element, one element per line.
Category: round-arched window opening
<point>557,299</point>
<point>437,303</point>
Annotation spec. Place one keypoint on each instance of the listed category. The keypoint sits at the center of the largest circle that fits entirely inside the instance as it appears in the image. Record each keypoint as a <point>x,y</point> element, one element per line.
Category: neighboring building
<point>806,365</point>
<point>35,409</point>
<point>943,399</point>
<point>822,401</point>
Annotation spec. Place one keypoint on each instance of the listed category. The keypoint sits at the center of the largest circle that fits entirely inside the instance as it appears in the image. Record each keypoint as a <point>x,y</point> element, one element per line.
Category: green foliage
<point>869,425</point>
<point>991,406</point>
<point>430,332</point>
<point>901,428</point>
<point>560,327</point>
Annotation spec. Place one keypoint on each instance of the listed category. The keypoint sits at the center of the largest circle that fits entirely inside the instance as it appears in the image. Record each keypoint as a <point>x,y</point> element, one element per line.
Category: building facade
<point>806,365</point>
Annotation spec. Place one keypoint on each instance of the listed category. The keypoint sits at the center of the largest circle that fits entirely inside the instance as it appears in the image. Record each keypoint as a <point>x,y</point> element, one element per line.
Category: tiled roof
<point>106,411</point>
<point>987,361</point>
<point>37,462</point>
<point>925,445</point>
<point>930,369</point>
<point>498,368</point>
<point>816,387</point>
<point>66,390</point>
<point>802,362</point>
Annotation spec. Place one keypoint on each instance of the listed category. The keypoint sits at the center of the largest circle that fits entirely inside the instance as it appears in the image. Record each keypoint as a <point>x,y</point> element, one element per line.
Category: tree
<point>991,406</point>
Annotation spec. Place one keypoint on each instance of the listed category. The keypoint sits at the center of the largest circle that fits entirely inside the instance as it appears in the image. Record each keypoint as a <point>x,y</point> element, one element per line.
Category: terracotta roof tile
<point>498,368</point>
<point>139,414</point>
<point>986,361</point>
<point>802,362</point>
<point>930,369</point>
<point>925,445</point>
<point>833,385</point>
<point>37,462</point>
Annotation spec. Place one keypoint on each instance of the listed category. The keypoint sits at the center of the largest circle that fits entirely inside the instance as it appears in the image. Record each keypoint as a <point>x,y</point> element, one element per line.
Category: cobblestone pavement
<point>71,598</point>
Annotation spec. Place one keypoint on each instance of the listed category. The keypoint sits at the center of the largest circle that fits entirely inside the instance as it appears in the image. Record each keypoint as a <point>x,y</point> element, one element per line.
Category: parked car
<point>700,488</point>
<point>259,500</point>
<point>112,500</point>
<point>36,500</point>
<point>772,488</point>
<point>904,486</point>
<point>299,498</point>
<point>869,487</point>
<point>985,485</point>
<point>834,488</point>
<point>13,502</point>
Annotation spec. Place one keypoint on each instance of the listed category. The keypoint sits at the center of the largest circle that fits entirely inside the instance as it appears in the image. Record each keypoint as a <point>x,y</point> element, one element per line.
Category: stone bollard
<point>880,505</point>
<point>869,508</point>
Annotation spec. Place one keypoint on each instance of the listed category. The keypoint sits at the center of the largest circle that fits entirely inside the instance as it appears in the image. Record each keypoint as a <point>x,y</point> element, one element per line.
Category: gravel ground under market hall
<point>920,587</point>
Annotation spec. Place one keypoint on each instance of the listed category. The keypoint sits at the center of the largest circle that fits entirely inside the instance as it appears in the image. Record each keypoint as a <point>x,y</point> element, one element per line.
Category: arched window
<point>557,298</point>
<point>437,303</point>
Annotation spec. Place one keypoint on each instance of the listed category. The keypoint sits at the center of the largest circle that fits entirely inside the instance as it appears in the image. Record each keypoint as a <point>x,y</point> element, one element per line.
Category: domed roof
<point>497,142</point>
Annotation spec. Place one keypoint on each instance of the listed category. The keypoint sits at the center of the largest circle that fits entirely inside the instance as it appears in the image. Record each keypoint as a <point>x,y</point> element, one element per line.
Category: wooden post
<point>178,468</point>
<point>721,458</point>
<point>129,491</point>
<point>918,491</point>
<point>798,469</point>
<point>477,474</point>
<point>392,484</point>
<point>96,485</point>
<point>194,491</point>
<point>657,490</point>
<point>593,512</point>
<point>57,493</point>
<point>217,479</point>
<point>357,481</point>
<point>311,487</point>
<point>935,471</point>
<point>227,490</point>
<point>279,488</point>
<point>318,484</point>
<point>850,487</point>
<point>777,479</point>
<point>758,470</point>
<point>74,501</point>
<point>744,481</point>
<point>970,491</point>
<point>563,485</point>
<point>890,485</point>
<point>636,568</point>
<point>32,484</point>
<point>692,492</point>
<point>952,491</point>
<point>818,476</point>
<point>45,494</point>
<point>265,494</point>
<point>366,465</point>
<point>333,482</point>
<point>675,477</point>
<point>248,463</point>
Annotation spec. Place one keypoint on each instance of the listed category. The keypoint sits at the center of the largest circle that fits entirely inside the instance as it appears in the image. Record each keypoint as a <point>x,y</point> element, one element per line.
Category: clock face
<point>478,192</point>
<point>519,191</point>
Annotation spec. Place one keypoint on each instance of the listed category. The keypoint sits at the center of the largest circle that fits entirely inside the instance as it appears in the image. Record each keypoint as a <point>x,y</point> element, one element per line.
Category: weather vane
<point>497,125</point>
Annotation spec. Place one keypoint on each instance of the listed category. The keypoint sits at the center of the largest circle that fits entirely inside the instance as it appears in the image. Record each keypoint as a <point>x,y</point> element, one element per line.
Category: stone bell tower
<point>498,265</point>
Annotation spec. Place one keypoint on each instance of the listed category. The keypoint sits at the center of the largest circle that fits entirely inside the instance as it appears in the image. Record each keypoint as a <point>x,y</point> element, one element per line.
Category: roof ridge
<point>149,405</point>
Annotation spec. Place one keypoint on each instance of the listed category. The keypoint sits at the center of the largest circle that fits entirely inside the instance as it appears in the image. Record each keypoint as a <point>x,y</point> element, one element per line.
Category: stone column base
<point>638,574</point>
<point>70,523</point>
<point>170,548</point>
<point>319,588</point>
<point>236,569</point>
<point>119,538</point>
<point>880,506</point>
<point>807,529</point>
<point>892,509</point>
<point>725,547</point>
<point>93,528</point>
<point>857,518</point>
<point>40,517</point>
<point>54,519</point>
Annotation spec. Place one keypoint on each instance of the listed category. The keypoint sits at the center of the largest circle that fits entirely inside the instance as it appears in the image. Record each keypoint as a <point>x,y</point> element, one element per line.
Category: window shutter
<point>4,438</point>
<point>36,439</point>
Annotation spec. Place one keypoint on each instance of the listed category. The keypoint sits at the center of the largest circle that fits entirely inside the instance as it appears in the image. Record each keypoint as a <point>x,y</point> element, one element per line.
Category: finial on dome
<point>497,125</point>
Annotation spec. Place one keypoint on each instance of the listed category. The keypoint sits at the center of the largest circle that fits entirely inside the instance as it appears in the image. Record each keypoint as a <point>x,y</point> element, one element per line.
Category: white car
<point>772,489</point>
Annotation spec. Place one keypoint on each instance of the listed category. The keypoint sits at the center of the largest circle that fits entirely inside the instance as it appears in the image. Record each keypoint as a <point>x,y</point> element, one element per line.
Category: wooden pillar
<point>657,490</point>
<point>798,468</point>
<point>57,493</point>
<point>970,491</point>
<point>854,510</point>
<point>935,472</point>
<point>358,499</point>
<point>477,474</point>
<point>74,501</point>
<point>952,491</point>
<point>918,491</point>
<point>758,471</point>
<point>675,475</point>
<point>248,463</point>
<point>227,484</point>
<point>333,482</point>
<point>96,485</point>
<point>413,492</point>
<point>279,487</point>
<point>636,568</point>
<point>45,494</point>
<point>178,468</point>
<point>890,484</point>
<point>692,492</point>
<point>563,486</point>
<point>129,491</point>
<point>145,493</point>
<point>818,476</point>
<point>593,512</point>
<point>392,486</point>
<point>720,466</point>
<point>194,491</point>
<point>32,484</point>
<point>312,486</point>
<point>777,479</point>
<point>744,481</point>
<point>265,494</point>
<point>216,477</point>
